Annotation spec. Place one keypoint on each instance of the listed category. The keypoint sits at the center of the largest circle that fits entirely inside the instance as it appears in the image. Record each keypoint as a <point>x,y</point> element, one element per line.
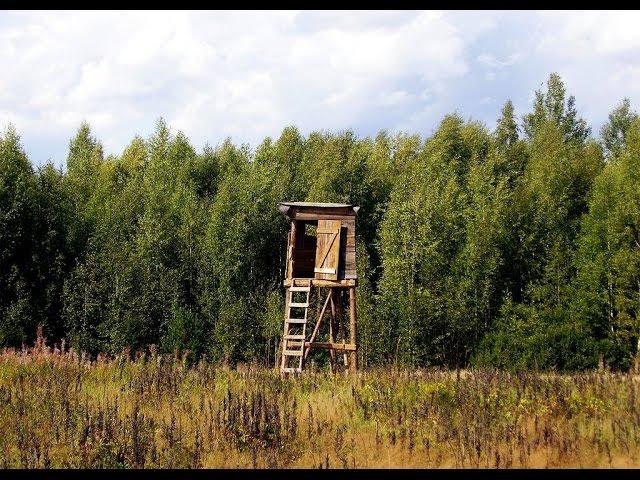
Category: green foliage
<point>20,301</point>
<point>614,132</point>
<point>474,247</point>
<point>186,331</point>
<point>552,107</point>
<point>507,128</point>
<point>422,235</point>
<point>608,280</point>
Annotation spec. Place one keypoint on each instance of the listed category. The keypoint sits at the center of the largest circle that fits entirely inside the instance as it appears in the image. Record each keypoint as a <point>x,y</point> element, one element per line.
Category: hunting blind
<point>321,253</point>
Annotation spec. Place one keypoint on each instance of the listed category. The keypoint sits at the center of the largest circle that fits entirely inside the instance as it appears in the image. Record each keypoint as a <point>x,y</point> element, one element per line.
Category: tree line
<point>516,248</point>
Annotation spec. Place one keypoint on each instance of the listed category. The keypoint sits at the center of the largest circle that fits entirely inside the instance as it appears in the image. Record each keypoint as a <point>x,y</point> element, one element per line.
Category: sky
<point>248,75</point>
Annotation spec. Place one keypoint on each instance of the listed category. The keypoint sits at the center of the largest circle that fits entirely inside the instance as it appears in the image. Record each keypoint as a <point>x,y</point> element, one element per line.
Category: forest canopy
<point>516,248</point>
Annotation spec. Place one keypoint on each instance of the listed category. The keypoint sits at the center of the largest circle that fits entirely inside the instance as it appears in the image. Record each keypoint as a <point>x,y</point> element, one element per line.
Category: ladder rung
<point>293,344</point>
<point>294,337</point>
<point>300,289</point>
<point>296,320</point>
<point>293,353</point>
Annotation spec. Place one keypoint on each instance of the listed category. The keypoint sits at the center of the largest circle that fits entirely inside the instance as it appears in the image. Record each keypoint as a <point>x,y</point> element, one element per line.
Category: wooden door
<point>327,250</point>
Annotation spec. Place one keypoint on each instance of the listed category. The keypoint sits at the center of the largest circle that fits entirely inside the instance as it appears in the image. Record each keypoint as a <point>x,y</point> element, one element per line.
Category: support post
<point>353,364</point>
<point>291,252</point>
<point>341,325</point>
<point>332,322</point>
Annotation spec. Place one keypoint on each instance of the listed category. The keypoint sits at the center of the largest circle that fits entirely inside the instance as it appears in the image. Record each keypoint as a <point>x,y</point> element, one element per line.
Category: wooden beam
<point>318,322</point>
<point>331,346</point>
<point>341,325</point>
<point>321,216</point>
<point>332,321</point>
<point>351,282</point>
<point>352,327</point>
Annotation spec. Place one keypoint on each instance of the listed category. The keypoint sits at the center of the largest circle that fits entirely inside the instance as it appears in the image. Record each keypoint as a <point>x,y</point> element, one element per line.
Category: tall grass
<point>58,409</point>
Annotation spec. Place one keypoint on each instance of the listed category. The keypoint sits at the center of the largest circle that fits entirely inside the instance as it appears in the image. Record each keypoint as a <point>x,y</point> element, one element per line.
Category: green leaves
<point>18,217</point>
<point>473,246</point>
<point>607,282</point>
<point>551,107</point>
<point>614,132</point>
<point>422,237</point>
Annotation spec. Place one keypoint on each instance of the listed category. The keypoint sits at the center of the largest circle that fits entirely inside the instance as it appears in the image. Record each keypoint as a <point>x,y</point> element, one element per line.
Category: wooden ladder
<point>295,329</point>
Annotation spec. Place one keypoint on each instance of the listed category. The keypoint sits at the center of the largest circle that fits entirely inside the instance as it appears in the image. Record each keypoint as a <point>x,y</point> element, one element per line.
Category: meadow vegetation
<point>61,409</point>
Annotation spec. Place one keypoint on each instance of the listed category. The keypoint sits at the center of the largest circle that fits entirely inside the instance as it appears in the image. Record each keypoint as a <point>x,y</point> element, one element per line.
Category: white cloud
<point>597,53</point>
<point>490,60</point>
<point>590,32</point>
<point>397,97</point>
<point>249,74</point>
<point>216,73</point>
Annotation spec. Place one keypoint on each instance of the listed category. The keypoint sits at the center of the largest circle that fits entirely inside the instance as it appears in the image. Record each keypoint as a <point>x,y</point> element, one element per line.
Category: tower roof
<point>290,208</point>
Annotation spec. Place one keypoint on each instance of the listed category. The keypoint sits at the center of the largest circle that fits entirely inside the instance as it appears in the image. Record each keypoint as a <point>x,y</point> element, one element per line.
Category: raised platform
<point>348,347</point>
<point>303,282</point>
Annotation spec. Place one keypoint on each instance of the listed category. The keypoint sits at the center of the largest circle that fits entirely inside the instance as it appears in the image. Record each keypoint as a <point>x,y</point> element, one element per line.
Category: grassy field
<point>59,410</point>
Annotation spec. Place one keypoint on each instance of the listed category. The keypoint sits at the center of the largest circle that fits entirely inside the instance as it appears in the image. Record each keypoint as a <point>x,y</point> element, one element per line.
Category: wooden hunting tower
<point>321,252</point>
